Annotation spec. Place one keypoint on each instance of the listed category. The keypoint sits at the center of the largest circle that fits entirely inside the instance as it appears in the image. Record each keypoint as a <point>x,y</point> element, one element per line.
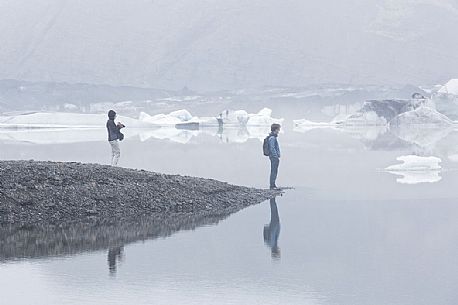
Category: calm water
<point>348,233</point>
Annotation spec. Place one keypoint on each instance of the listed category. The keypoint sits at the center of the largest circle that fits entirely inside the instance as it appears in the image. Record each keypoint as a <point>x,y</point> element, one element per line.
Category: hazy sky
<point>209,44</point>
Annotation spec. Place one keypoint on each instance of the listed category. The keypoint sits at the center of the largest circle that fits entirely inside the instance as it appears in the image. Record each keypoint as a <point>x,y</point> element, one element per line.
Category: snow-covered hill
<point>209,44</point>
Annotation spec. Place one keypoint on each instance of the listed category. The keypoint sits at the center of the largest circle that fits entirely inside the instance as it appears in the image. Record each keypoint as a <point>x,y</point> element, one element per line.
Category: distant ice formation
<point>183,118</point>
<point>63,120</point>
<point>263,118</point>
<point>416,169</point>
<point>304,125</point>
<point>418,177</point>
<point>415,121</point>
<point>422,116</point>
<point>372,113</point>
<point>423,126</point>
<point>450,88</point>
<point>173,118</point>
<point>178,126</point>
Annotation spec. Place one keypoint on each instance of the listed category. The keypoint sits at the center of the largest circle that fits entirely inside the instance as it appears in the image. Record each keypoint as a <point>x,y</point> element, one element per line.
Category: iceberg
<point>173,118</point>
<point>450,88</point>
<point>416,169</point>
<point>63,135</point>
<point>360,132</point>
<point>169,133</point>
<point>372,113</point>
<point>423,126</point>
<point>53,135</point>
<point>263,118</point>
<point>182,119</point>
<point>62,127</point>
<point>418,177</point>
<point>422,116</point>
<point>416,163</point>
<point>243,118</point>
<point>64,120</point>
<point>233,118</point>
<point>381,112</point>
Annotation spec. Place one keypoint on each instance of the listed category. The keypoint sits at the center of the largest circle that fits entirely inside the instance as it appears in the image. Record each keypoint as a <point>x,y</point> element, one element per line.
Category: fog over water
<point>232,44</point>
<point>370,169</point>
<point>349,233</point>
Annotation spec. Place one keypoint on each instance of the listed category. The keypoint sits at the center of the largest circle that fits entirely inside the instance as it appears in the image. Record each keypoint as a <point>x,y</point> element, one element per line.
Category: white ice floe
<point>304,125</point>
<point>179,118</point>
<point>263,118</point>
<point>63,120</point>
<point>173,118</point>
<point>416,163</point>
<point>360,132</point>
<point>62,127</point>
<point>450,88</point>
<point>418,177</point>
<point>64,135</point>
<point>416,169</point>
<point>422,116</point>
<point>169,133</point>
<point>369,118</point>
<point>243,118</point>
<point>53,135</point>
<point>423,126</point>
<point>182,118</point>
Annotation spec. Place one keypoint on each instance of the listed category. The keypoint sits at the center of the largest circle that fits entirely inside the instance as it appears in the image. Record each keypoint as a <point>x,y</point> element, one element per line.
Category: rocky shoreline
<point>43,193</point>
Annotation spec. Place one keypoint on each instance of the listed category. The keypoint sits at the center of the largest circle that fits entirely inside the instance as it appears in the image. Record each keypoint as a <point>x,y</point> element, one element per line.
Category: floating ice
<point>263,118</point>
<point>63,120</point>
<point>173,118</point>
<point>372,113</point>
<point>183,119</point>
<point>422,116</point>
<point>304,125</point>
<point>423,126</point>
<point>169,133</point>
<point>416,169</point>
<point>242,118</point>
<point>417,177</point>
<point>451,87</point>
<point>416,163</point>
<point>369,118</point>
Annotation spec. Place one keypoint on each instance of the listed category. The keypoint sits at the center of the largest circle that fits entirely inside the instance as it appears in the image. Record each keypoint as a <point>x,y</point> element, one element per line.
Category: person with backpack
<point>272,149</point>
<point>114,135</point>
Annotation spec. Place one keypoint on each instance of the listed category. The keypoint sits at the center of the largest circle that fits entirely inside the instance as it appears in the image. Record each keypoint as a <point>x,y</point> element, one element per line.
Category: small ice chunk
<point>451,87</point>
<point>63,120</point>
<point>422,116</point>
<point>416,163</point>
<point>417,177</point>
<point>416,169</point>
<point>173,118</point>
<point>304,125</point>
<point>181,114</point>
<point>241,116</point>
<point>263,118</point>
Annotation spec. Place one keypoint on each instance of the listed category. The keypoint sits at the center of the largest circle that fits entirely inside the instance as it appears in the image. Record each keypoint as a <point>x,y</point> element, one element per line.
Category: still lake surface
<point>348,233</point>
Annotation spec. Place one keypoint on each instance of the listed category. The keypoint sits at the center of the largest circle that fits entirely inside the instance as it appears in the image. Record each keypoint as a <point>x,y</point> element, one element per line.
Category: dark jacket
<point>274,148</point>
<point>113,130</point>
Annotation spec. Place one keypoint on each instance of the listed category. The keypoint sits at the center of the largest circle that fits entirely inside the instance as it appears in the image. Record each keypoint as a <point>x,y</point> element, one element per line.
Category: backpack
<point>265,146</point>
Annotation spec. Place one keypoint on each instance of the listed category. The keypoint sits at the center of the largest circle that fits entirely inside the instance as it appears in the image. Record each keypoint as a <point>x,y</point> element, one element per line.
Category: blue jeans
<point>274,163</point>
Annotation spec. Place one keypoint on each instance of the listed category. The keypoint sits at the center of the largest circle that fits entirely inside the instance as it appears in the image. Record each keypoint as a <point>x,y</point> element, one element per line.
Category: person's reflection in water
<point>114,255</point>
<point>272,230</point>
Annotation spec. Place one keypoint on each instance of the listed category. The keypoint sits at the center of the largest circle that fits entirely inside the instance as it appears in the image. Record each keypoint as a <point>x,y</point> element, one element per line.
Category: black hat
<point>111,114</point>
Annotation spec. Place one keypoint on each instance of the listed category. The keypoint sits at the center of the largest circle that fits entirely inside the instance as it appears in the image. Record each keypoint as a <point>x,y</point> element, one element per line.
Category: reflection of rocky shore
<point>57,240</point>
